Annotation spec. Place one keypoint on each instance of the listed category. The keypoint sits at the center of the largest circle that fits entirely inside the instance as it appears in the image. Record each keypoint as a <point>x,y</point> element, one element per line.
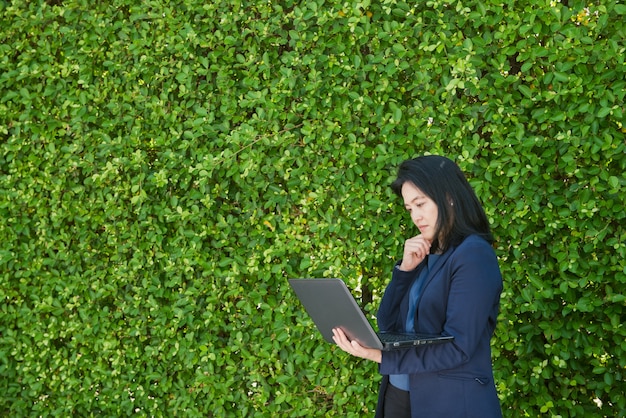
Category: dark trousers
<point>397,403</point>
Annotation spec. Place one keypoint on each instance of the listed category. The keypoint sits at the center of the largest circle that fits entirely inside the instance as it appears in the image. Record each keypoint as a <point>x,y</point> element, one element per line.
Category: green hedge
<point>165,166</point>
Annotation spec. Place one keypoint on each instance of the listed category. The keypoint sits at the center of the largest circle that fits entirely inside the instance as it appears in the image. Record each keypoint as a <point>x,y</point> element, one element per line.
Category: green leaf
<point>620,9</point>
<point>525,90</point>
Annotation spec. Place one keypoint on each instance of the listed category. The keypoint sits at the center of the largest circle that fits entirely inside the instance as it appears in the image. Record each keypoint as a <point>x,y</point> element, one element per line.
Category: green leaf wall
<point>165,166</point>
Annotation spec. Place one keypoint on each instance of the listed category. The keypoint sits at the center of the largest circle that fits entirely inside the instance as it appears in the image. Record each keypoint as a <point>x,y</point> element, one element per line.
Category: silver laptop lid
<point>331,305</point>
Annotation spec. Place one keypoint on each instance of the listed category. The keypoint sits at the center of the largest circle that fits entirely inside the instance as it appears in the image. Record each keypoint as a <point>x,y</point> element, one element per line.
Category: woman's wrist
<point>399,267</point>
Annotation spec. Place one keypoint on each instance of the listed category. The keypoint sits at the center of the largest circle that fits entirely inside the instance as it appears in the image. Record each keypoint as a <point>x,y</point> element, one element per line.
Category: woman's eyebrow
<point>413,200</point>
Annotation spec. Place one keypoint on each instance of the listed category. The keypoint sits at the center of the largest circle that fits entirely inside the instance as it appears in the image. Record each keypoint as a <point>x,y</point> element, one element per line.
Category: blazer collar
<point>438,266</point>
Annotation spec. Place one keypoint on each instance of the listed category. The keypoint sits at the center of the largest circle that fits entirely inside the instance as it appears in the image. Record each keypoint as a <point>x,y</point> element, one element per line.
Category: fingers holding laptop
<point>354,348</point>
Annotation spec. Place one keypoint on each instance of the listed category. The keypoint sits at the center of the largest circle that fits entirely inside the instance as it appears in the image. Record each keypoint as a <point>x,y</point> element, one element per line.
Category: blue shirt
<point>401,381</point>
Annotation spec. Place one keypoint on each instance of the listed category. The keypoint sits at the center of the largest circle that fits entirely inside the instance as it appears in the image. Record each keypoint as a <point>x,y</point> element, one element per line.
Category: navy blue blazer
<point>460,297</point>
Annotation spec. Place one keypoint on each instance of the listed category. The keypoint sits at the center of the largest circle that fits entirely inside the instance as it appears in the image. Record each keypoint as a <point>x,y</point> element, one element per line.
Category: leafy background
<point>165,166</point>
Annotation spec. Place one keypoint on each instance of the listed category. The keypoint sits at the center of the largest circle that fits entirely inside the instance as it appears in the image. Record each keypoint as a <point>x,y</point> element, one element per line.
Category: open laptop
<point>331,305</point>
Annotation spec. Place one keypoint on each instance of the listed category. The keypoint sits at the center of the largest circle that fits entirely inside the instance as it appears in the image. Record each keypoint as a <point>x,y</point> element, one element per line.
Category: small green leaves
<point>166,166</point>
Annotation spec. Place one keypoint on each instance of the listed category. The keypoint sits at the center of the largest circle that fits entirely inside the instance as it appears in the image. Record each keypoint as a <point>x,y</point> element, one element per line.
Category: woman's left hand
<point>354,348</point>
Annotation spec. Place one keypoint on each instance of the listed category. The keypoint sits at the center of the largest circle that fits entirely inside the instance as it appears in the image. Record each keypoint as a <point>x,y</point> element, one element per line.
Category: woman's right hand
<point>415,250</point>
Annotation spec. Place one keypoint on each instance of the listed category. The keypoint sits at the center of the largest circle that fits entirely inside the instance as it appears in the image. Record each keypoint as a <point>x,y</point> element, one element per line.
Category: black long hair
<point>460,213</point>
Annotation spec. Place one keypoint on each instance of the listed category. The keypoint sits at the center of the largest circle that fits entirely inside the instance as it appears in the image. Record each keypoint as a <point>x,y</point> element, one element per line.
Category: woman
<point>448,282</point>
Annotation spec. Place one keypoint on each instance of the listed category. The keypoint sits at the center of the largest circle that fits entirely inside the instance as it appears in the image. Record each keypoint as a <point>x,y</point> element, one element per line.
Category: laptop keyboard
<point>392,338</point>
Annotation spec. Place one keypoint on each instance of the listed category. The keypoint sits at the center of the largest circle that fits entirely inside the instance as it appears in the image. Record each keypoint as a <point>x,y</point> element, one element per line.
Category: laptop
<point>331,305</point>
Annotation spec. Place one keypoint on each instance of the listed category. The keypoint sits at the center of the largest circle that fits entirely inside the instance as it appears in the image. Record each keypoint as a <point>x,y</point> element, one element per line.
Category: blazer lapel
<point>432,272</point>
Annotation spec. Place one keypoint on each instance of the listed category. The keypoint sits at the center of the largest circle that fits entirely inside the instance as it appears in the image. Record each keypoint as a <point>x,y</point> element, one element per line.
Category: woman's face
<point>423,210</point>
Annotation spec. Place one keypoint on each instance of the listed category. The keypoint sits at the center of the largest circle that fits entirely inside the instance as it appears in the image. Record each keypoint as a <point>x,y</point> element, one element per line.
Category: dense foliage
<point>165,166</point>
